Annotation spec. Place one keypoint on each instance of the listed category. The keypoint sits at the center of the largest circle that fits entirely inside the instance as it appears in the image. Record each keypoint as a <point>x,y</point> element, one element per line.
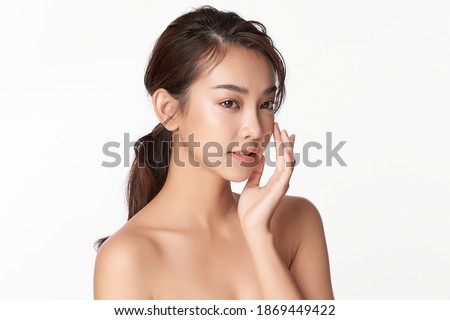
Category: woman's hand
<point>257,204</point>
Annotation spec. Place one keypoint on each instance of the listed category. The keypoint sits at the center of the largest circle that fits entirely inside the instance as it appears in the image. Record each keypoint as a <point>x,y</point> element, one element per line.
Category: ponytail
<point>149,169</point>
<point>148,172</point>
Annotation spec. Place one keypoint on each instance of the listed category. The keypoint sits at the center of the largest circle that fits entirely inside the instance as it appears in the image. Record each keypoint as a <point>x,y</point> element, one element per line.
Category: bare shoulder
<point>123,265</point>
<point>295,205</point>
<point>298,223</point>
<point>296,215</point>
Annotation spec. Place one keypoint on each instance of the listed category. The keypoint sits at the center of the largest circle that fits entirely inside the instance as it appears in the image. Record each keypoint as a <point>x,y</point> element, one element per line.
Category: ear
<point>165,106</point>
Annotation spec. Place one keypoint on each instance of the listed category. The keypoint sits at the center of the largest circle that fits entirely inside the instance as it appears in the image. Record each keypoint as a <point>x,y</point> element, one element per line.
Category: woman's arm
<point>309,277</point>
<point>309,272</point>
<point>310,267</point>
<point>274,277</point>
<point>256,207</point>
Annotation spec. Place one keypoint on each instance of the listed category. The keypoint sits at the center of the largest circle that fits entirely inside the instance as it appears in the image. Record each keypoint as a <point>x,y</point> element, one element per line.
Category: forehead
<point>242,67</point>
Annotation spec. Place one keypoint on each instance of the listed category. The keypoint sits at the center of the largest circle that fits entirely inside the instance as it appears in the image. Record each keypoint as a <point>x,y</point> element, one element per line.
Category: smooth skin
<point>199,240</point>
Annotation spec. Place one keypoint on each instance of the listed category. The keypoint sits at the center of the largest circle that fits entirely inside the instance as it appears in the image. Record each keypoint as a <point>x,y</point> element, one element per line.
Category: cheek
<point>204,115</point>
<point>205,129</point>
<point>267,126</point>
<point>207,121</point>
<point>267,121</point>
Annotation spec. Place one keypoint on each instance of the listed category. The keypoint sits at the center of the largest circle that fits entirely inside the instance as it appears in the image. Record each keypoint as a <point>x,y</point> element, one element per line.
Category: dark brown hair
<point>190,44</point>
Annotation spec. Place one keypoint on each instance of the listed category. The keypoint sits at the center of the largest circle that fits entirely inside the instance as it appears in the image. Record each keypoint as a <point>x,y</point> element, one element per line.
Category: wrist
<point>260,236</point>
<point>250,227</point>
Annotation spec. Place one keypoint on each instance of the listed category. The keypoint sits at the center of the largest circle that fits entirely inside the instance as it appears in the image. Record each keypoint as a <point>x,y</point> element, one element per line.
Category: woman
<point>216,82</point>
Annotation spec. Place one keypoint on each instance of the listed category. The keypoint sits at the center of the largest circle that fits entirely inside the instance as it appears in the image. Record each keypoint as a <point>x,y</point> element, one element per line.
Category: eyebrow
<point>243,90</point>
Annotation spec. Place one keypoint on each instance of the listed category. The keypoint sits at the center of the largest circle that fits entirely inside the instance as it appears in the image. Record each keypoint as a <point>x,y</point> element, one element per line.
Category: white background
<point>374,73</point>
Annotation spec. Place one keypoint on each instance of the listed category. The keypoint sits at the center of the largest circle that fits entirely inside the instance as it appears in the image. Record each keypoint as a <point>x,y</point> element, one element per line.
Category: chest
<point>208,270</point>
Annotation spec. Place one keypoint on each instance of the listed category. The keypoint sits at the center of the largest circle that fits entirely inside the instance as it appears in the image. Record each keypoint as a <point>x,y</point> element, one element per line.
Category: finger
<point>278,180</point>
<point>278,147</point>
<point>285,150</point>
<point>288,143</point>
<point>255,176</point>
<point>275,137</point>
<point>292,138</point>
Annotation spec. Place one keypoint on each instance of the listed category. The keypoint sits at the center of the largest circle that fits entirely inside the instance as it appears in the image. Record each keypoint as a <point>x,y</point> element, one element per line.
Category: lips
<point>244,153</point>
<point>249,151</point>
<point>248,154</point>
<point>246,158</point>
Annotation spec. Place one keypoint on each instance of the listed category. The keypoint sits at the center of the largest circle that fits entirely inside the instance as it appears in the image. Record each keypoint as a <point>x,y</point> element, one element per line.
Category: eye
<point>269,104</point>
<point>228,104</point>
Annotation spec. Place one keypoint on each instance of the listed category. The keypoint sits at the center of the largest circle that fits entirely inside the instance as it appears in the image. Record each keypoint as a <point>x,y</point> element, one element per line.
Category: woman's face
<point>229,108</point>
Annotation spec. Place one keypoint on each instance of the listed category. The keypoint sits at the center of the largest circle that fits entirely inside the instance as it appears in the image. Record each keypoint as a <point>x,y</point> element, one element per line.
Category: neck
<point>194,195</point>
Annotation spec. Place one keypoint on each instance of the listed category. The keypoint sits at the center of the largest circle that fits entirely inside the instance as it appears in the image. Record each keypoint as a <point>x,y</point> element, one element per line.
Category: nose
<point>251,126</point>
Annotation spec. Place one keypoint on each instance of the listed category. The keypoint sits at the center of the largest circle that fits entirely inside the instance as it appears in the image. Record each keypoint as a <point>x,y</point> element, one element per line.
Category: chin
<point>237,175</point>
<point>238,180</point>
